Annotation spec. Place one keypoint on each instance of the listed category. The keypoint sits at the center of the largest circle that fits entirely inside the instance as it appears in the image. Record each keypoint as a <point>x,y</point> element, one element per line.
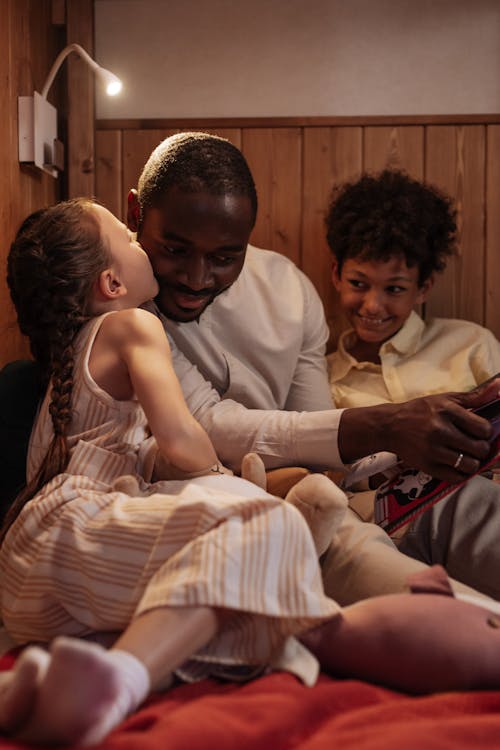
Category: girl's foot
<point>81,694</point>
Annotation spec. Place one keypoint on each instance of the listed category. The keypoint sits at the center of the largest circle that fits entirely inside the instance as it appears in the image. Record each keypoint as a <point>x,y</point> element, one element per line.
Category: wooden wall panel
<point>331,156</point>
<point>80,165</point>
<point>471,141</point>
<point>440,170</point>
<point>28,45</point>
<point>108,177</point>
<point>274,156</point>
<point>492,260</point>
<point>12,343</point>
<point>296,165</point>
<point>137,146</point>
<point>398,147</point>
<point>455,162</point>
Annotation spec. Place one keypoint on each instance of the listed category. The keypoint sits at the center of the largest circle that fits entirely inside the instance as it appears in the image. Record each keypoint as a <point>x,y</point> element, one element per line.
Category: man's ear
<point>423,291</point>
<point>109,285</point>
<point>133,210</point>
<point>335,275</point>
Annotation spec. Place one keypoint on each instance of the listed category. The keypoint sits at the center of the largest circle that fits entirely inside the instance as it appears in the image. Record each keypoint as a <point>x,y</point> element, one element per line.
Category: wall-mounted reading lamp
<point>38,142</point>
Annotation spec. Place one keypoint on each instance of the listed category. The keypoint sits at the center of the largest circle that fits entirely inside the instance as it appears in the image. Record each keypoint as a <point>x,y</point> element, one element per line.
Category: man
<point>254,327</point>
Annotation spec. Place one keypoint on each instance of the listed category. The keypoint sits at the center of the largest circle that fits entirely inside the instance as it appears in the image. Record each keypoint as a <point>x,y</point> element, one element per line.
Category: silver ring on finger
<point>459,460</point>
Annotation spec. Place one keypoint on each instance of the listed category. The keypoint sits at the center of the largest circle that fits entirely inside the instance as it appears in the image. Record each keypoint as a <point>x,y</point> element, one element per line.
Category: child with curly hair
<point>389,235</point>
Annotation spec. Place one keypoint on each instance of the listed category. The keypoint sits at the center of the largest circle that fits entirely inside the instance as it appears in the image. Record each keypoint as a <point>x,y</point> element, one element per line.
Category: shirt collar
<point>344,362</point>
<point>405,341</point>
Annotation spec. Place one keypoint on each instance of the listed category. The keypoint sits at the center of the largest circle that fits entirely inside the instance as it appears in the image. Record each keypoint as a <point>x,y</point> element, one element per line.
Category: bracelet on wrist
<point>216,468</point>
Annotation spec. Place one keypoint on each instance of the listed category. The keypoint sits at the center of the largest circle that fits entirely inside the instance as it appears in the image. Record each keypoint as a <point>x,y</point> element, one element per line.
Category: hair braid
<point>53,263</point>
<point>60,405</point>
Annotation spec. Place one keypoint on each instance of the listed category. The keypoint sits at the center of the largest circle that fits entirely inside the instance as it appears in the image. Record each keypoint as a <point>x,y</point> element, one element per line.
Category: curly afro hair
<point>387,214</point>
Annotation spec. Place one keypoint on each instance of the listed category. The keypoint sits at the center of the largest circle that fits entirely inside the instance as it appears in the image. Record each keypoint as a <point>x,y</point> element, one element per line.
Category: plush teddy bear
<point>320,501</point>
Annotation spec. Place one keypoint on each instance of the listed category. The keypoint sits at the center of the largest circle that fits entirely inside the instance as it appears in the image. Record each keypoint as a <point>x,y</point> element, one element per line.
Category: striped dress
<point>101,544</point>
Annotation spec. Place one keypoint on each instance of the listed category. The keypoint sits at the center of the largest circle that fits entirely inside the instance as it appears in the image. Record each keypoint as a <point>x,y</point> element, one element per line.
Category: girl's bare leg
<point>164,638</point>
<point>82,692</point>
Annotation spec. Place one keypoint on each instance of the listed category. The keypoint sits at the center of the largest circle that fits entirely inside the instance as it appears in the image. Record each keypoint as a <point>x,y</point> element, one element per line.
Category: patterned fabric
<point>99,545</point>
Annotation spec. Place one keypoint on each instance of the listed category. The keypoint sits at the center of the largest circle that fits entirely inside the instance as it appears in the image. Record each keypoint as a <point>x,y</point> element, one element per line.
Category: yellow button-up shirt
<point>421,358</point>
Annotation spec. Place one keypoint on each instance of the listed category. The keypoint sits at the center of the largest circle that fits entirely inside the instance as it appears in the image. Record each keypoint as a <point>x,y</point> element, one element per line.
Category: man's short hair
<point>195,162</point>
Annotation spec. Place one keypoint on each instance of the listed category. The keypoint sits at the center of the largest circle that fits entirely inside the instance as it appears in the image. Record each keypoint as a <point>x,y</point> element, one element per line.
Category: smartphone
<point>491,412</point>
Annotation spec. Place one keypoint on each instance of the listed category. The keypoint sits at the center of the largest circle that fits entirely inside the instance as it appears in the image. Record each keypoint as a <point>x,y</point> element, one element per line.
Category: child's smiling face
<point>378,296</point>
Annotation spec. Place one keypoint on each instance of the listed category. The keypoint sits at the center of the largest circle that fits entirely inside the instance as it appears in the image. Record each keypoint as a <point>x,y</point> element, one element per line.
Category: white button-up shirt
<point>261,345</point>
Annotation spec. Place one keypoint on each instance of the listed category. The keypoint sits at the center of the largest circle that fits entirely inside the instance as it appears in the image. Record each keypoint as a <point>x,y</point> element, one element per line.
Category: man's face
<point>196,243</point>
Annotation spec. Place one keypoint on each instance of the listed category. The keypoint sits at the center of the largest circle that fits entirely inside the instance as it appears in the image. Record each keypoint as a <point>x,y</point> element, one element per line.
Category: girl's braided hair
<point>52,266</point>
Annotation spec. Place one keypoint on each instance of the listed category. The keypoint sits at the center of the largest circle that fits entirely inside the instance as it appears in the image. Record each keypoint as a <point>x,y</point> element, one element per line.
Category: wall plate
<point>38,142</point>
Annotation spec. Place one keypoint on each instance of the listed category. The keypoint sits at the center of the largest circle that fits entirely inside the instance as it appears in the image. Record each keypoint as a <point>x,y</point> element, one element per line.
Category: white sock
<point>134,674</point>
<point>75,694</point>
<point>135,685</point>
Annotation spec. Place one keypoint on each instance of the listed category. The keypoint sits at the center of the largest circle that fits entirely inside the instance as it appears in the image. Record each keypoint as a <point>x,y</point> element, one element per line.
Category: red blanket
<point>277,712</point>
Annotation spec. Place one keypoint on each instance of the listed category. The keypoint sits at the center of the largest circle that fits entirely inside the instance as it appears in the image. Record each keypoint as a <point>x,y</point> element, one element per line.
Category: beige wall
<point>229,58</point>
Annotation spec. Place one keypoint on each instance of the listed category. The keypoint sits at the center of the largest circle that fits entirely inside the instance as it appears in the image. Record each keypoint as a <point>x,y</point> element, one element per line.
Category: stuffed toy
<point>424,641</point>
<point>320,501</point>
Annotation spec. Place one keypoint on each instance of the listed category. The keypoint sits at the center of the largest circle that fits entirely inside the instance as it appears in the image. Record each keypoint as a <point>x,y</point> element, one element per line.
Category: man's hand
<point>438,434</point>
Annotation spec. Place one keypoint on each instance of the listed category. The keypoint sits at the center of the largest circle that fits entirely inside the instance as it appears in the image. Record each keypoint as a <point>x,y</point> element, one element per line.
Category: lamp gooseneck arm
<point>60,59</point>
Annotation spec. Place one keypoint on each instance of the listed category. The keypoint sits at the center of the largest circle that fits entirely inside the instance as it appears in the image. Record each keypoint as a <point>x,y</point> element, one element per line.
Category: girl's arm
<point>132,351</point>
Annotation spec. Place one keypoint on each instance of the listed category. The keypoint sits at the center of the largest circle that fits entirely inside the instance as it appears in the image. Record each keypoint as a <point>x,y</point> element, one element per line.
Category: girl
<point>204,573</point>
<point>98,547</point>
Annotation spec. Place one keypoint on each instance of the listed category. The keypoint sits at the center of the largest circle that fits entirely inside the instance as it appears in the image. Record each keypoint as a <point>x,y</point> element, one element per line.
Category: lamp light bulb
<point>113,88</point>
<point>112,83</point>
